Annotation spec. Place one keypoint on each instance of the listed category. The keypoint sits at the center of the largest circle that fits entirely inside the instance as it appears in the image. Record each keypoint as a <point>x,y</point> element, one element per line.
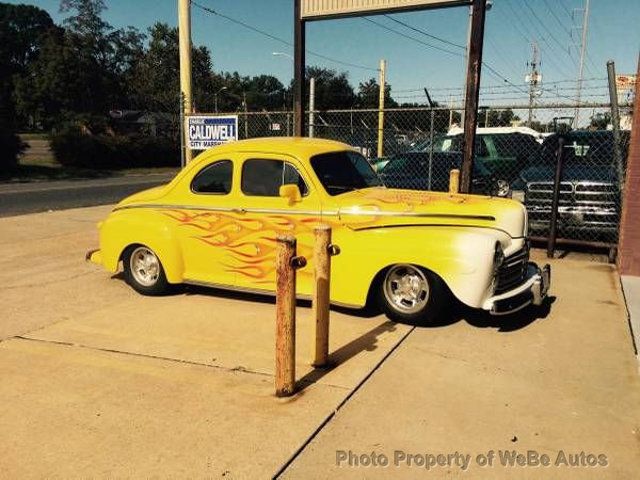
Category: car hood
<point>571,172</point>
<point>384,207</point>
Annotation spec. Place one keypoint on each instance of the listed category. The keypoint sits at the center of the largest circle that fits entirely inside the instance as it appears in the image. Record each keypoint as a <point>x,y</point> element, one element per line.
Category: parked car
<point>590,190</point>
<point>216,222</point>
<point>422,171</point>
<point>504,151</point>
<point>428,169</point>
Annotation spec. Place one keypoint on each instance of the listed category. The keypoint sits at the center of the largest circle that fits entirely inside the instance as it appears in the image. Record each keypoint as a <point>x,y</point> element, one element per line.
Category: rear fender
<point>123,229</point>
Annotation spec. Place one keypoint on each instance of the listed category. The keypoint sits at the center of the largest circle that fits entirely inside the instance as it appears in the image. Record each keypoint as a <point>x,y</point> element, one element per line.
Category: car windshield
<point>341,172</point>
<point>440,144</point>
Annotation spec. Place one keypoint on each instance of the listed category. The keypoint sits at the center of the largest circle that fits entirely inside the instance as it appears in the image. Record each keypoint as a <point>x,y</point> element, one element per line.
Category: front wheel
<point>412,294</point>
<point>143,271</point>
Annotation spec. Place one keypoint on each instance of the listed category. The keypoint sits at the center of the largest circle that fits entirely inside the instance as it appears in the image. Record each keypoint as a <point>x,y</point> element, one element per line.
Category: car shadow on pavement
<point>507,323</point>
<point>459,312</point>
<point>481,319</point>
<point>364,343</point>
<point>231,294</point>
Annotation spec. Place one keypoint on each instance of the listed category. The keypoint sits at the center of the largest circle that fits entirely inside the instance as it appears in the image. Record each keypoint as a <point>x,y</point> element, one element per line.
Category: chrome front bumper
<point>532,291</point>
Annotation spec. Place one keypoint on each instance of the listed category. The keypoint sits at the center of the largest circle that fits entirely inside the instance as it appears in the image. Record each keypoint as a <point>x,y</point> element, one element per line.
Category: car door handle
<point>238,210</point>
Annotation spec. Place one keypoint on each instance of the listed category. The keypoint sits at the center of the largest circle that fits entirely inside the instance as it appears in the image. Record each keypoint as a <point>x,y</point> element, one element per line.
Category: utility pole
<point>298,69</point>
<point>472,93</point>
<point>615,122</point>
<point>465,64</point>
<point>184,38</point>
<point>583,51</point>
<point>312,105</point>
<point>533,79</point>
<point>383,68</point>
<point>487,6</point>
<point>246,114</point>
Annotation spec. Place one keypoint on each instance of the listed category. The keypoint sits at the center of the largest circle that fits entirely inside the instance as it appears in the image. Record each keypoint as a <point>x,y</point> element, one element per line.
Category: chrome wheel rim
<point>406,288</point>
<point>145,266</point>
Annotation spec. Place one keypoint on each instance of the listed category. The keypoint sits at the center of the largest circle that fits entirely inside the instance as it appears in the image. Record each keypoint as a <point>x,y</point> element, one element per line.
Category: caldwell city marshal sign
<point>317,9</point>
<point>205,131</point>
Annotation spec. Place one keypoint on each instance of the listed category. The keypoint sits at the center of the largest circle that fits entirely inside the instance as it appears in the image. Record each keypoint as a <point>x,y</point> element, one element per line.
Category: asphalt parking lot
<point>101,382</point>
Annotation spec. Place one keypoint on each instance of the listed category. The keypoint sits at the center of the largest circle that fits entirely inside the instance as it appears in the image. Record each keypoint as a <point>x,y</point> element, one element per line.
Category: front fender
<point>461,256</point>
<point>127,227</point>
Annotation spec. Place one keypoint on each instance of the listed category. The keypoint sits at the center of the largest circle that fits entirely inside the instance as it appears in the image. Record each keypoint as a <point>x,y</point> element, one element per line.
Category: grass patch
<point>38,164</point>
<point>33,136</point>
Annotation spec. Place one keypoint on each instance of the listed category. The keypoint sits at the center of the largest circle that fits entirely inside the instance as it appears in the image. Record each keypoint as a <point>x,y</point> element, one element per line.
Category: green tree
<point>155,77</point>
<point>600,121</point>
<point>22,32</point>
<point>266,92</point>
<point>502,118</point>
<point>332,89</point>
<point>369,93</point>
<point>82,71</point>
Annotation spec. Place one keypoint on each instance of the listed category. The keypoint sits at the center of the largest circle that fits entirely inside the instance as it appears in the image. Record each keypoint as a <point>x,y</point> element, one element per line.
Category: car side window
<point>215,178</point>
<point>264,177</point>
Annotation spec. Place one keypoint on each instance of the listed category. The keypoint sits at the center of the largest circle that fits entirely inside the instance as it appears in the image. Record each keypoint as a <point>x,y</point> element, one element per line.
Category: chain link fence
<point>516,155</point>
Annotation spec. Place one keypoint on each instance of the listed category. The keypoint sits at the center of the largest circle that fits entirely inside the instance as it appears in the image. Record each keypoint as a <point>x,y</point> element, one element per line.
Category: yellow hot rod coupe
<point>216,222</point>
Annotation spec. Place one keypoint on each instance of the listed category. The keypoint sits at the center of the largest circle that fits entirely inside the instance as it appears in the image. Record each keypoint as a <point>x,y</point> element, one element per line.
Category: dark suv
<point>590,196</point>
<point>499,157</point>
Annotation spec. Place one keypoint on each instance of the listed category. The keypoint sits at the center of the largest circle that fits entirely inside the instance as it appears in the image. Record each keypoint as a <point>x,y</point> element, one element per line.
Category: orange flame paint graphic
<point>250,243</point>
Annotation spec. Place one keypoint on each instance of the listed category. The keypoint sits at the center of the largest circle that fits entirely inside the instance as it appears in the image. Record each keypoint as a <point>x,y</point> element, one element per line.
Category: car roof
<point>297,146</point>
<point>498,131</point>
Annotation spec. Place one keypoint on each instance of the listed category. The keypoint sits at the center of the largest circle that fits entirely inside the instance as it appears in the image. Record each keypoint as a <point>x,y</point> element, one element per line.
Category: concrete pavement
<point>567,382</point>
<point>101,382</point>
<point>631,289</point>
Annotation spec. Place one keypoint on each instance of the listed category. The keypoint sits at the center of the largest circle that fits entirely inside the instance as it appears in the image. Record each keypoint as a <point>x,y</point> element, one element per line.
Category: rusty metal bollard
<point>323,250</point>
<point>286,265</point>
<point>454,181</point>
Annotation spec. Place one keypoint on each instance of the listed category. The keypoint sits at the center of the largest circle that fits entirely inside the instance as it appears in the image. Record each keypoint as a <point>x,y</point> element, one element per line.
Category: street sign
<point>317,9</point>
<point>205,131</point>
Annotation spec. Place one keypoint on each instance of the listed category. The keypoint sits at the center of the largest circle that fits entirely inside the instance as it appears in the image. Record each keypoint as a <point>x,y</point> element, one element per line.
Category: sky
<point>412,63</point>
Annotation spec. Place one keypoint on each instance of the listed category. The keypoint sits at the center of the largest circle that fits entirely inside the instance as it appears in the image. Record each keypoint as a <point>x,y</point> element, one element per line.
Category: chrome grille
<point>513,271</point>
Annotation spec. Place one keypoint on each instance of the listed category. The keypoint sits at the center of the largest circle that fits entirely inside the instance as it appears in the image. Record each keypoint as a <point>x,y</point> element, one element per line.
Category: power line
<point>418,30</point>
<point>498,52</point>
<point>553,13</point>
<point>564,7</point>
<point>450,52</point>
<point>533,35</point>
<point>278,39</point>
<point>457,54</point>
<point>502,86</point>
<point>553,37</point>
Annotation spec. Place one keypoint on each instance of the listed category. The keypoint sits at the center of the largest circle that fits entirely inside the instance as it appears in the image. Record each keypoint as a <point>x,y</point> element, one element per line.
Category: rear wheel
<point>412,294</point>
<point>144,272</point>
